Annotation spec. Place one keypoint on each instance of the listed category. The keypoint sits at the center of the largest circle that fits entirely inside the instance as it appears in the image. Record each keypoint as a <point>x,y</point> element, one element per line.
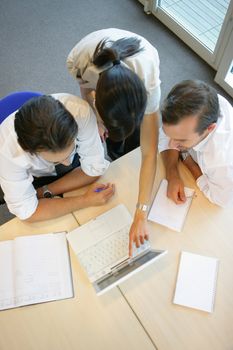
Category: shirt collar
<point>201,145</point>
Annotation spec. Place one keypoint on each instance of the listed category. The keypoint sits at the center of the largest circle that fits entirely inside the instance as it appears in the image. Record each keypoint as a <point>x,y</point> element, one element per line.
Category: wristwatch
<point>46,192</point>
<point>142,207</point>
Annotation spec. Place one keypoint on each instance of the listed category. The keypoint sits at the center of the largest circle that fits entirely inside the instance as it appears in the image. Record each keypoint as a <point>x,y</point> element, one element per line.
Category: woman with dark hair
<point>118,74</point>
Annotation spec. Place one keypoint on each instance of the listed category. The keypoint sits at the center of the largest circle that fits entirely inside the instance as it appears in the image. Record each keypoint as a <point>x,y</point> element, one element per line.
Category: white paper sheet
<point>167,213</point>
<point>196,281</point>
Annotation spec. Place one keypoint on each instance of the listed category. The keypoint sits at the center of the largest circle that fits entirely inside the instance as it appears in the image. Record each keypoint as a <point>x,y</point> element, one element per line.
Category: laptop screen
<point>127,270</point>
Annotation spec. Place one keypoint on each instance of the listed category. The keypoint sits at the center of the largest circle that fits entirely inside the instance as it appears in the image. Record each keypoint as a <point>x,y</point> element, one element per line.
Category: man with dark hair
<point>197,127</point>
<point>48,147</point>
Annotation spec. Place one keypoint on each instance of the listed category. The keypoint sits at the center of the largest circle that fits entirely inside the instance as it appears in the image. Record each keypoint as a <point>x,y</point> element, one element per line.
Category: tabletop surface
<point>83,322</point>
<point>207,231</point>
<point>139,314</point>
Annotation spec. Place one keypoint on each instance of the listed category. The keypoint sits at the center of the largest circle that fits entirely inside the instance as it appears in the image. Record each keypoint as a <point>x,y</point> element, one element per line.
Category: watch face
<point>184,155</point>
<point>47,194</point>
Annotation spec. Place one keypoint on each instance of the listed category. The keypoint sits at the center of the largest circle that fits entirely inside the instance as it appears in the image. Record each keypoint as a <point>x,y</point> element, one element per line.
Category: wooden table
<point>84,322</point>
<point>208,231</point>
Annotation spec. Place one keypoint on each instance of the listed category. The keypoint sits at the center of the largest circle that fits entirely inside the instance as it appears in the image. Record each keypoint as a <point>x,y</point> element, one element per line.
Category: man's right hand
<point>175,190</point>
<point>99,194</point>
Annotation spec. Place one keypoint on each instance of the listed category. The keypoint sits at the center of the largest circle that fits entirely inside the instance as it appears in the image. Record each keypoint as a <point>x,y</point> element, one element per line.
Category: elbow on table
<point>30,219</point>
<point>223,202</point>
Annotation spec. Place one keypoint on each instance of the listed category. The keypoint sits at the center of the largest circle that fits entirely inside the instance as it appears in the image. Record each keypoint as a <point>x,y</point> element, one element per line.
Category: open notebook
<point>167,213</point>
<point>34,269</point>
<point>196,281</point>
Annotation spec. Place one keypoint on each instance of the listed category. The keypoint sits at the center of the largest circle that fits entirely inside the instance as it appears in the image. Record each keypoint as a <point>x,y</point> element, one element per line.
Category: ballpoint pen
<point>100,189</point>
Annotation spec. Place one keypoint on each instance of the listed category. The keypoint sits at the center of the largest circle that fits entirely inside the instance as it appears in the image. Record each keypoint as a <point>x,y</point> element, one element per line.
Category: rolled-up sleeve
<point>163,141</point>
<point>153,100</point>
<point>72,62</point>
<point>79,57</point>
<point>217,186</point>
<point>19,193</point>
<point>90,148</point>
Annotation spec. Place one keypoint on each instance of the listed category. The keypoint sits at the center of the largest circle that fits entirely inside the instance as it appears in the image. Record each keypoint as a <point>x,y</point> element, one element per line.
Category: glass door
<point>204,25</point>
<point>224,76</point>
<point>203,19</point>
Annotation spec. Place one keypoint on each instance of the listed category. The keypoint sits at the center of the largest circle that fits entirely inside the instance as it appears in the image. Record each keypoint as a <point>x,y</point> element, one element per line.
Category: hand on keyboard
<point>108,252</point>
<point>138,232</point>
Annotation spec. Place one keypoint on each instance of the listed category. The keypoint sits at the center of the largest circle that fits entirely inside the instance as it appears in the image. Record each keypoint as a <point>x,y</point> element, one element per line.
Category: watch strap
<point>142,206</point>
<point>184,155</point>
<point>46,192</point>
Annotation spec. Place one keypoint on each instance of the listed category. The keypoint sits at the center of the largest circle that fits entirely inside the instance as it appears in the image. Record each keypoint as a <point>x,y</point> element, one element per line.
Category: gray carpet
<point>36,37</point>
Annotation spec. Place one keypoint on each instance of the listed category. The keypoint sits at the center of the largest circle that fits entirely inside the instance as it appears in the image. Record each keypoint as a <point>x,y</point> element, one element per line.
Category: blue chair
<point>8,105</point>
<point>14,101</point>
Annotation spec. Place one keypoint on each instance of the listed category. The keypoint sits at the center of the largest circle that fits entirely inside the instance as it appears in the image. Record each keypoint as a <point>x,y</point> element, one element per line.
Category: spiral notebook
<point>166,212</point>
<point>196,281</point>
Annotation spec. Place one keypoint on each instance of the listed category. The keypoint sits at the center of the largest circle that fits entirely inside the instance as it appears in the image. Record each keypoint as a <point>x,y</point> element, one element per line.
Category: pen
<point>99,189</point>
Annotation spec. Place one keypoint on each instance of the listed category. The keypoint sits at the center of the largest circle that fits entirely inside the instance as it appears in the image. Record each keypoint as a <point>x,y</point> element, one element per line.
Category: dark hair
<point>120,94</point>
<point>43,124</point>
<point>189,98</point>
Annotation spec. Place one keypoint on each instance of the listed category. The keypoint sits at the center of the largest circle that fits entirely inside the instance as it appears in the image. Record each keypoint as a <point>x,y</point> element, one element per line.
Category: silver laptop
<point>102,248</point>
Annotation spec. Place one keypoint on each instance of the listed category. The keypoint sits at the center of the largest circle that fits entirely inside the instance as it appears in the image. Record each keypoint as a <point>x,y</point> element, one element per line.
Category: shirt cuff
<point>202,183</point>
<point>153,100</point>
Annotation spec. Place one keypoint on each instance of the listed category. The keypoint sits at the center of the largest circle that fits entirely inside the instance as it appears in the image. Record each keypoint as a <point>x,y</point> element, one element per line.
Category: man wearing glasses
<point>48,147</point>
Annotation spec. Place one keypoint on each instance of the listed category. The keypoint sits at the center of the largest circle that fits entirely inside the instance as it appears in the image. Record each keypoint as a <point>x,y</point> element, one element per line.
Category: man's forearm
<point>170,159</point>
<point>71,181</point>
<point>51,208</point>
<point>193,167</point>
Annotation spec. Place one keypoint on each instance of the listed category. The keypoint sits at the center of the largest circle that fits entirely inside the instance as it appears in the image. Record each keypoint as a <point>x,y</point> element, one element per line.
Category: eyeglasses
<point>46,154</point>
<point>70,157</point>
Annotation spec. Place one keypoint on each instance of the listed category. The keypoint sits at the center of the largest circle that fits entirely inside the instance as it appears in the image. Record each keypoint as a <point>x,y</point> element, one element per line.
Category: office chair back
<point>14,101</point>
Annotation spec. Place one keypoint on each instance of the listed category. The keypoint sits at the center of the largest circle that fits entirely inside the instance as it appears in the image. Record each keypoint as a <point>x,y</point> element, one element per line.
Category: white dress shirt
<point>214,155</point>
<point>18,167</point>
<point>145,63</point>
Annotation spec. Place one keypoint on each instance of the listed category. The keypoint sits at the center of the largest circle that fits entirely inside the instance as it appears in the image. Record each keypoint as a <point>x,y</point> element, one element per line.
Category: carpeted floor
<point>36,37</point>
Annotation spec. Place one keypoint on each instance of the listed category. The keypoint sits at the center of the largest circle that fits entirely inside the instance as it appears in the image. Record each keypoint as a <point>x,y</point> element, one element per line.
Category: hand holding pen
<point>99,194</point>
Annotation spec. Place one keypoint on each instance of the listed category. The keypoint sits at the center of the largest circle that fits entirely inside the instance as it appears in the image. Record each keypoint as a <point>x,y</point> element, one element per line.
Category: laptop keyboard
<point>107,252</point>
